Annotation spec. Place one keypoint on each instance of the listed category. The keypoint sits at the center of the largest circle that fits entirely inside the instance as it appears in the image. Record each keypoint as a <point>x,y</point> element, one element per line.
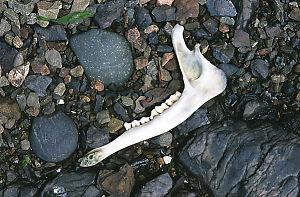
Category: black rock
<point>53,138</point>
<point>119,109</point>
<point>99,103</point>
<point>211,25</point>
<point>51,33</point>
<point>96,137</point>
<point>164,13</point>
<point>7,54</point>
<point>221,8</point>
<point>153,38</point>
<point>229,69</point>
<point>254,108</point>
<point>19,190</point>
<point>71,184</point>
<point>260,68</point>
<point>231,159</point>
<point>200,33</point>
<point>142,17</point>
<point>159,186</point>
<point>222,54</point>
<point>38,83</point>
<point>108,12</point>
<point>164,48</point>
<point>247,7</point>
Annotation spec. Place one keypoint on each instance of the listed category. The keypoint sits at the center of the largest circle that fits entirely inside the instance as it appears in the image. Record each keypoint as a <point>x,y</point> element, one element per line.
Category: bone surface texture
<point>202,82</point>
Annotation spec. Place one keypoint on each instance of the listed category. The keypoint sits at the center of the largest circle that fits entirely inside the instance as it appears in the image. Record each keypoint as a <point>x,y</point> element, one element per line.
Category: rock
<point>297,68</point>
<point>142,17</point>
<point>241,39</point>
<point>164,48</point>
<point>221,8</point>
<point>279,10</point>
<point>21,99</point>
<point>4,27</point>
<point>53,58</point>
<point>7,55</point>
<point>159,186</point>
<point>260,68</point>
<point>140,44</point>
<point>119,109</point>
<point>156,95</point>
<point>247,7</point>
<point>60,89</point>
<point>103,117</point>
<point>191,26</point>
<point>295,14</point>
<point>166,58</point>
<point>273,31</point>
<point>211,25</point>
<point>38,83</point>
<point>96,137</point>
<point>153,38</point>
<point>225,154</point>
<point>229,69</point>
<point>186,9</point>
<point>18,43</point>
<point>39,68</point>
<point>117,183</point>
<point>3,81</point>
<point>164,13</point>
<point>79,5</point>
<point>108,12</point>
<point>164,139</point>
<point>227,20</point>
<point>9,108</point>
<point>132,34</point>
<point>33,111</point>
<point>77,71</point>
<point>20,8</point>
<point>53,138</point>
<point>165,75</point>
<point>114,125</point>
<point>200,33</point>
<point>19,59</point>
<point>71,183</point>
<point>222,54</point>
<point>254,108</point>
<point>12,16</point>
<point>140,62</point>
<point>127,101</point>
<point>17,75</point>
<point>97,85</point>
<point>52,33</point>
<point>103,55</point>
<point>33,100</point>
<point>164,2</point>
<point>48,10</point>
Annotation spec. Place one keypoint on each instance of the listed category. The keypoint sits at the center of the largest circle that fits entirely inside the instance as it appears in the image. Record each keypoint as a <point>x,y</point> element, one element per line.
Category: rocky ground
<point>66,88</point>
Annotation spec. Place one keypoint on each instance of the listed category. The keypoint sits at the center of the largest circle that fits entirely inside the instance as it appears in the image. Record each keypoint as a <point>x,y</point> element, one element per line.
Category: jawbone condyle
<point>202,82</point>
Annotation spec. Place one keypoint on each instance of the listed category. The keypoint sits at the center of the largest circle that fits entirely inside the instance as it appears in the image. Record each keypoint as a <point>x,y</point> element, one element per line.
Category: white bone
<point>144,120</point>
<point>127,126</point>
<point>153,113</point>
<point>202,82</point>
<point>159,109</point>
<point>135,123</point>
<point>164,106</point>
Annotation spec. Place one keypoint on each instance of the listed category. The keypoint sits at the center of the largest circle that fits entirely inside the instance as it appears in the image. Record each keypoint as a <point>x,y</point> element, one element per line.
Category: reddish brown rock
<point>58,46</point>
<point>97,85</point>
<point>9,108</point>
<point>39,68</point>
<point>186,9</point>
<point>24,33</point>
<point>164,2</point>
<point>33,111</point>
<point>223,28</point>
<point>172,64</point>
<point>156,95</point>
<point>140,62</point>
<point>132,34</point>
<point>17,75</point>
<point>64,72</point>
<point>140,44</point>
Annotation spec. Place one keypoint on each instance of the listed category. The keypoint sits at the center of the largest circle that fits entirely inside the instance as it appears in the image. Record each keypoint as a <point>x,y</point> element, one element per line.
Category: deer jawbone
<point>202,82</point>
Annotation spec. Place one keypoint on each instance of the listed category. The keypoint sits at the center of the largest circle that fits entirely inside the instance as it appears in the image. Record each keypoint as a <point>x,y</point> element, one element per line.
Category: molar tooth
<point>135,123</point>
<point>173,98</point>
<point>164,106</point>
<point>178,94</point>
<point>127,126</point>
<point>159,109</point>
<point>169,102</point>
<point>153,114</point>
<point>144,120</point>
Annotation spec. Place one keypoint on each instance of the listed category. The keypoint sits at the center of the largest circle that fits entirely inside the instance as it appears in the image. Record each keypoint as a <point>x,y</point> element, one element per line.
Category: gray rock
<point>260,68</point>
<point>221,8</point>
<point>7,55</point>
<point>99,103</point>
<point>11,15</point>
<point>253,108</point>
<point>164,139</point>
<point>212,25</point>
<point>3,81</point>
<point>33,100</point>
<point>51,33</point>
<point>79,5</point>
<point>247,7</point>
<point>96,137</point>
<point>53,138</point>
<point>227,20</point>
<point>38,83</point>
<point>222,54</point>
<point>119,109</point>
<point>241,39</point>
<point>104,55</point>
<point>164,13</point>
<point>142,17</point>
<point>231,159</point>
<point>4,27</point>
<point>20,8</point>
<point>108,12</point>
<point>157,187</point>
<point>53,58</point>
<point>19,60</point>
<point>21,99</point>
<point>229,69</point>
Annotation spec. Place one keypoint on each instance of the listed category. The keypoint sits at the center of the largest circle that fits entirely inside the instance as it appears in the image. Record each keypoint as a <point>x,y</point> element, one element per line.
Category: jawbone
<point>202,82</point>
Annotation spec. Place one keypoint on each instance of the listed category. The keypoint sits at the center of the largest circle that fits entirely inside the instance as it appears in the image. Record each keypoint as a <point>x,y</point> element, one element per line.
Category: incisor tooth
<point>173,98</point>
<point>144,120</point>
<point>159,109</point>
<point>164,106</point>
<point>135,123</point>
<point>169,102</point>
<point>153,114</point>
<point>127,126</point>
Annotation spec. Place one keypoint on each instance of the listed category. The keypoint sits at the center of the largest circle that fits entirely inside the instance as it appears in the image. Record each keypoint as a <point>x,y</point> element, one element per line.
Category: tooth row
<point>155,112</point>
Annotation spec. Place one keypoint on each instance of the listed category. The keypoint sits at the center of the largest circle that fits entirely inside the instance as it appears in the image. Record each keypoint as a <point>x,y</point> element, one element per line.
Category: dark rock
<point>9,108</point>
<point>51,33</point>
<point>200,33</point>
<point>154,96</point>
<point>279,10</point>
<point>159,186</point>
<point>260,68</point>
<point>231,159</point>
<point>211,25</point>
<point>119,109</point>
<point>186,9</point>
<point>164,13</point>
<point>229,69</point>
<point>96,137</point>
<point>254,108</point>
<point>241,39</point>
<point>221,8</point>
<point>196,120</point>
<point>247,7</point>
<point>295,14</point>
<point>142,17</point>
<point>164,139</point>
<point>117,183</point>
<point>140,44</point>
<point>70,184</point>
<point>103,55</point>
<point>153,39</point>
<point>273,31</point>
<point>99,103</point>
<point>250,56</point>
<point>108,12</point>
<point>53,138</point>
<point>222,54</point>
<point>7,55</point>
<point>164,48</point>
<point>38,83</point>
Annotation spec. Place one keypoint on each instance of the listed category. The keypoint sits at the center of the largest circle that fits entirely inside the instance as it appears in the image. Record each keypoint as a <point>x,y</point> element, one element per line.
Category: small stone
<point>59,46</point>
<point>163,139</point>
<point>140,62</point>
<point>38,84</point>
<point>138,106</point>
<point>164,48</point>
<point>127,101</point>
<point>53,58</point>
<point>18,43</point>
<point>10,123</point>
<point>273,31</point>
<point>191,26</point>
<point>21,99</point>
<point>39,68</point>
<point>295,14</point>
<point>12,16</point>
<point>52,33</point>
<point>221,8</point>
<point>103,117</point>
<point>97,85</point>
<point>142,17</point>
<point>119,109</point>
<point>25,145</point>
<point>1,129</point>
<point>48,10</point>
<point>114,125</point>
<point>9,108</point>
<point>297,68</point>
<point>260,68</point>
<point>9,39</point>
<point>298,97</point>
<point>164,2</point>
<point>167,159</point>
<point>229,69</point>
<point>253,108</point>
<point>77,71</point>
<point>10,175</point>
<point>165,75</point>
<point>223,28</point>
<point>240,39</point>
<point>3,81</point>
<point>49,108</point>
<point>60,89</point>
<point>19,59</point>
<point>20,8</point>
<point>33,100</point>
<point>150,29</point>
<point>33,111</point>
<point>227,20</point>
<point>132,35</point>
<point>4,27</point>
<point>166,58</point>
<point>211,25</point>
<point>186,9</point>
<point>164,13</point>
<point>79,5</point>
<point>140,44</point>
<point>168,28</point>
<point>17,75</point>
<point>96,137</point>
<point>222,54</point>
<point>277,78</point>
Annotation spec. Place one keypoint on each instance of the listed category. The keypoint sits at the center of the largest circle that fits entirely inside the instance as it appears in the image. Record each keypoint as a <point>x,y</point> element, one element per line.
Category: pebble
<point>114,125</point>
<point>10,123</point>
<point>164,13</point>
<point>140,44</point>
<point>223,28</point>
<point>17,75</point>
<point>20,8</point>
<point>96,137</point>
<point>191,26</point>
<point>200,33</point>
<point>138,106</point>
<point>48,10</point>
<point>33,111</point>
<point>241,39</point>
<point>33,100</point>
<point>60,89</point>
<point>39,68</point>
<point>150,29</point>
<point>103,55</point>
<point>221,8</point>
<point>99,103</point>
<point>153,38</point>
<point>49,108</point>
<point>79,5</point>
<point>21,99</point>
<point>53,33</point>
<point>3,81</point>
<point>142,17</point>
<point>223,55</point>
<point>18,43</point>
<point>53,58</point>
<point>295,14</point>
<point>164,139</point>
<point>253,108</point>
<point>77,71</point>
<point>164,48</point>
<point>229,69</point>
<point>227,20</point>
<point>54,137</point>
<point>127,101</point>
<point>12,16</point>
<point>97,85</point>
<point>297,68</point>
<point>211,25</point>
<point>25,145</point>
<point>165,75</point>
<point>9,108</point>
<point>4,27</point>
<point>186,9</point>
<point>7,54</point>
<point>119,109</point>
<point>260,68</point>
<point>164,2</point>
<point>140,62</point>
<point>273,31</point>
<point>108,12</point>
<point>103,117</point>
<point>19,59</point>
<point>132,34</point>
<point>38,84</point>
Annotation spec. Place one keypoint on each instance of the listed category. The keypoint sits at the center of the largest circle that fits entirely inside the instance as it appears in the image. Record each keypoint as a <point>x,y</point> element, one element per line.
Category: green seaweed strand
<point>69,18</point>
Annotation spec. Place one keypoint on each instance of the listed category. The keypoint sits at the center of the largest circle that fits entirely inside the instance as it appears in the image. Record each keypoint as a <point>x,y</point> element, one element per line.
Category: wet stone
<point>51,33</point>
<point>53,58</point>
<point>221,8</point>
<point>142,17</point>
<point>53,138</point>
<point>186,9</point>
<point>103,55</point>
<point>241,38</point>
<point>9,108</point>
<point>7,55</point>
<point>96,137</point>
<point>164,13</point>
<point>260,68</point>
<point>164,139</point>
<point>211,25</point>
<point>38,84</point>
<point>223,55</point>
<point>17,75</point>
